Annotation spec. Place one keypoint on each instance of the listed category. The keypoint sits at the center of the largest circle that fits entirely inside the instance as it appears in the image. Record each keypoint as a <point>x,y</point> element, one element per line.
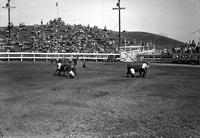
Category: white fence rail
<point>47,56</point>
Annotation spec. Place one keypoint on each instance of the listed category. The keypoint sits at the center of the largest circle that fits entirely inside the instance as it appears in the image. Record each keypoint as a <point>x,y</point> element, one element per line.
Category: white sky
<point>176,18</point>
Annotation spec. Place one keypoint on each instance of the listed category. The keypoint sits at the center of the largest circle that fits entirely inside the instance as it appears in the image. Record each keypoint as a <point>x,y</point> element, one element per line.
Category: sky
<point>176,19</point>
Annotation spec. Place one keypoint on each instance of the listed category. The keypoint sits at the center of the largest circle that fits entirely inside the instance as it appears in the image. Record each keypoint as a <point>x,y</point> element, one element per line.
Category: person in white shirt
<point>132,72</point>
<point>145,66</point>
<point>58,69</point>
<point>59,65</point>
<point>72,72</point>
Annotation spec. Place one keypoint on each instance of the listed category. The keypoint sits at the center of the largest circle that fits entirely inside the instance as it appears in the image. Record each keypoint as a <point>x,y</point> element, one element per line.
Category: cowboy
<point>72,72</point>
<point>145,66</point>
<point>58,70</point>
<point>132,72</point>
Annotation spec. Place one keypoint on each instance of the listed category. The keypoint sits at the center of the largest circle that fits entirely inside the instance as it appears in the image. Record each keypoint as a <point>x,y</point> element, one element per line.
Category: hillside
<point>159,41</point>
<point>77,38</point>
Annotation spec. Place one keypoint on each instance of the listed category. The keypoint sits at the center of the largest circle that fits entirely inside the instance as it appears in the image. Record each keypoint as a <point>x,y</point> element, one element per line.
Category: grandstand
<point>58,37</point>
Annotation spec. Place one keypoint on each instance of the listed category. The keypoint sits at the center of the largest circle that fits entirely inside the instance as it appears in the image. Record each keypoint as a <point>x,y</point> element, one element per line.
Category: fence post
<point>21,58</point>
<point>46,57</point>
<point>8,57</point>
<point>34,57</point>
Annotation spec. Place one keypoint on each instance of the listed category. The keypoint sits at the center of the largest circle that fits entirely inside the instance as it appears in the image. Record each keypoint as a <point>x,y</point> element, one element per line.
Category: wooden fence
<point>21,56</point>
<point>175,58</point>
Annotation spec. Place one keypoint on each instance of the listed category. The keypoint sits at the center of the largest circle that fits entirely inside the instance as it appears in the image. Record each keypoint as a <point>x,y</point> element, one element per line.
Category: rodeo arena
<point>59,80</point>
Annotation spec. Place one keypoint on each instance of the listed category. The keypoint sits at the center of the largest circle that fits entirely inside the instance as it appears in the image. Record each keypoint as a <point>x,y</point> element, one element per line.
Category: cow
<point>65,69</point>
<point>140,68</point>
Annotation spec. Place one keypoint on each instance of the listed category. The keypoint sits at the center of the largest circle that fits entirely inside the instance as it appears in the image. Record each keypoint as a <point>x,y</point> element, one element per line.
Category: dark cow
<point>138,68</point>
<point>65,69</point>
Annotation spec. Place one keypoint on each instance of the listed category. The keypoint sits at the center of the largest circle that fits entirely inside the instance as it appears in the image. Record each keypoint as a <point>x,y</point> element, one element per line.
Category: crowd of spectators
<point>188,48</point>
<point>56,36</point>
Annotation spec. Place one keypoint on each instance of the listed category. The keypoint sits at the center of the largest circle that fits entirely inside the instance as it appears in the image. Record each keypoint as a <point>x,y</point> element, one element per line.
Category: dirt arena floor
<point>99,103</point>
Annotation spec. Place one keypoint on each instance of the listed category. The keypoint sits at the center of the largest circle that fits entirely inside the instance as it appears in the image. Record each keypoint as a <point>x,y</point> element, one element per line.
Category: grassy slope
<point>160,41</point>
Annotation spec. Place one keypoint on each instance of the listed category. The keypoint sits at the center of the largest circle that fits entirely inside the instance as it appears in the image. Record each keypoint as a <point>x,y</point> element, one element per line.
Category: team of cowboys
<point>66,66</point>
<point>132,69</point>
<point>69,67</point>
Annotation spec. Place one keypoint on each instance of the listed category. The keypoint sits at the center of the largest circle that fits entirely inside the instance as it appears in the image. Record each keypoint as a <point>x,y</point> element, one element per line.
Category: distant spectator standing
<point>41,22</point>
<point>84,64</point>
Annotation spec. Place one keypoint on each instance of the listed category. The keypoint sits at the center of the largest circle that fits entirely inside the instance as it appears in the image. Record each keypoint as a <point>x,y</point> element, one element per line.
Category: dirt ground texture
<point>101,102</point>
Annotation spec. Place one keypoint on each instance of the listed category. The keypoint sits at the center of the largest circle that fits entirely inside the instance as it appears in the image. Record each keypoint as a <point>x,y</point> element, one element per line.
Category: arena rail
<point>47,56</point>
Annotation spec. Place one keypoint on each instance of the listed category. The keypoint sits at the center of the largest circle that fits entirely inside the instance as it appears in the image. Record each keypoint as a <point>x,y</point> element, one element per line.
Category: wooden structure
<point>21,56</point>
